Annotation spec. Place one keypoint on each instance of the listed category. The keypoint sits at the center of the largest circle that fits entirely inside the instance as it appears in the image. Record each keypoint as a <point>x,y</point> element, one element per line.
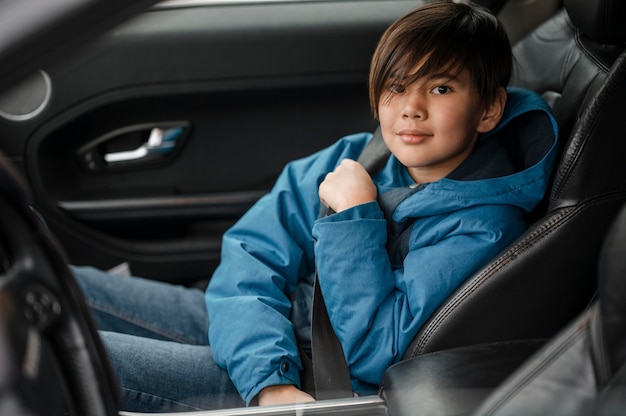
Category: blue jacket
<point>376,299</point>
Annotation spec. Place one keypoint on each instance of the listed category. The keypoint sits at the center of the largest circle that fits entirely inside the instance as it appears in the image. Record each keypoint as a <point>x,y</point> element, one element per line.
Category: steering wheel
<point>54,361</point>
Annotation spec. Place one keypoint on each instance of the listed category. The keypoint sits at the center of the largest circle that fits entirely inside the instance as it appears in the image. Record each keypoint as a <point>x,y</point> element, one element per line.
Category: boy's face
<point>431,125</point>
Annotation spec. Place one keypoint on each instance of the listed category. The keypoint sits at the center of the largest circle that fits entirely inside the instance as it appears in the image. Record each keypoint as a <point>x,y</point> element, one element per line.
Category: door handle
<point>159,143</point>
<point>133,146</point>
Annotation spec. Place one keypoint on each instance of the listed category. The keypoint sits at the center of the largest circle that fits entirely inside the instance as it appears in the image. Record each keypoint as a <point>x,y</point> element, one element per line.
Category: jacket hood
<point>511,165</point>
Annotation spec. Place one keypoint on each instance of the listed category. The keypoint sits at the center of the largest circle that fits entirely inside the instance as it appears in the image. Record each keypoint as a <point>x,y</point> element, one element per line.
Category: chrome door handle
<point>160,142</point>
<point>133,146</point>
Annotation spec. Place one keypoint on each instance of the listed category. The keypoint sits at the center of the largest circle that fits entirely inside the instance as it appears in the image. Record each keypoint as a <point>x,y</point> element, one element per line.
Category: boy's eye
<point>441,89</point>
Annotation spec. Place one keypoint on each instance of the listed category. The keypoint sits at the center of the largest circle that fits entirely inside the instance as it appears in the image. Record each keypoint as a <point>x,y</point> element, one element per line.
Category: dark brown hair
<point>451,37</point>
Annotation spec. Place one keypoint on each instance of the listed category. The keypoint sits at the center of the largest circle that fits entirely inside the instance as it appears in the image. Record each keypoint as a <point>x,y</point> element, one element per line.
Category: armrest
<point>452,381</point>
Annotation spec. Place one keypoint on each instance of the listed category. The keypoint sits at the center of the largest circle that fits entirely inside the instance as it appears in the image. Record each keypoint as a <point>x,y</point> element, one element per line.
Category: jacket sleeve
<point>262,258</point>
<point>377,309</point>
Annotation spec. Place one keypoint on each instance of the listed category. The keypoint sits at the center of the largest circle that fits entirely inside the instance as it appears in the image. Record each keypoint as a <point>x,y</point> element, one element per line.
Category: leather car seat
<point>582,371</point>
<point>557,253</point>
<point>567,59</point>
<point>546,277</point>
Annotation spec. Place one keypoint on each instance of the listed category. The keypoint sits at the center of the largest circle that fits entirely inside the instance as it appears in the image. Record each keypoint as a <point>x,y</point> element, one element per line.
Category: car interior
<point>539,330</point>
<point>268,70</point>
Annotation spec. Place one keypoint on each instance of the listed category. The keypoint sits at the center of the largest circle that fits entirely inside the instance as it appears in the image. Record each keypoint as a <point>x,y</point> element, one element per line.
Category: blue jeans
<point>156,335</point>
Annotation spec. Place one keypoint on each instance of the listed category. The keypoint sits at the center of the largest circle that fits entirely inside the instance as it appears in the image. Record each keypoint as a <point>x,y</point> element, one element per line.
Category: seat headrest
<point>600,20</point>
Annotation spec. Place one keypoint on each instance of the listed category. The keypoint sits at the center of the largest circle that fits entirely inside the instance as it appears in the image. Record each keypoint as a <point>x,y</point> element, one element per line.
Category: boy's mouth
<point>411,136</point>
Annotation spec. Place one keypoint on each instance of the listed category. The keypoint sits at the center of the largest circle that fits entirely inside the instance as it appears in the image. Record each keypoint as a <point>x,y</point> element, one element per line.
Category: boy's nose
<point>414,108</point>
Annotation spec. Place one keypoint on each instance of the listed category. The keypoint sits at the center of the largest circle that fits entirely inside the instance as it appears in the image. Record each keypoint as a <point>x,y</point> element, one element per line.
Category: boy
<point>469,158</point>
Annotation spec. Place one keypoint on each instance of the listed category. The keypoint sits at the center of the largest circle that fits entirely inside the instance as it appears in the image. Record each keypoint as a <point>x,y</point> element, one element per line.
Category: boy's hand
<point>283,394</point>
<point>347,186</point>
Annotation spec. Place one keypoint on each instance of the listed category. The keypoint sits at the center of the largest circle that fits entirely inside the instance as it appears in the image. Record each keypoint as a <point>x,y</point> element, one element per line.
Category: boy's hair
<point>451,37</point>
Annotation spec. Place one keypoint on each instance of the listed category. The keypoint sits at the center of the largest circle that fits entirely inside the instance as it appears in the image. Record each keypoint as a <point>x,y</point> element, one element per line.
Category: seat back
<point>583,369</point>
<point>545,278</point>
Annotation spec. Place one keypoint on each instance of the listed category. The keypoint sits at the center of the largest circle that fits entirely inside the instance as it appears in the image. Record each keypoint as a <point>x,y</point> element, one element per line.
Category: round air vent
<point>27,99</point>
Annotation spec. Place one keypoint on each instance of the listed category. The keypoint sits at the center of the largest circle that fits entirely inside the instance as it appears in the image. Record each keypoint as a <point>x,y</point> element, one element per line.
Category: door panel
<point>251,86</point>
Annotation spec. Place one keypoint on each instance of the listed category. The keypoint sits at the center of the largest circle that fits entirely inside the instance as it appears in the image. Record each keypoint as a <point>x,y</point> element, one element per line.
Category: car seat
<point>527,294</point>
<point>582,371</point>
<point>546,277</point>
<point>52,359</point>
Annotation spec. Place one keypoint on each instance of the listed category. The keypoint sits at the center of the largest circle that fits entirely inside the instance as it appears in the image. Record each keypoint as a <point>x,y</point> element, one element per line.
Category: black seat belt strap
<point>331,376</point>
<point>330,370</point>
<point>375,154</point>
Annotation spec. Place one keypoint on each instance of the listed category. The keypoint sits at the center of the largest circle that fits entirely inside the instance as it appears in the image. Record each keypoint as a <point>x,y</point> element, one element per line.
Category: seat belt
<point>331,376</point>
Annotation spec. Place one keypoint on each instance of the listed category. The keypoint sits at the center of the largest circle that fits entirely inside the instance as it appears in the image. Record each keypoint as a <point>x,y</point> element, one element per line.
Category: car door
<point>146,144</point>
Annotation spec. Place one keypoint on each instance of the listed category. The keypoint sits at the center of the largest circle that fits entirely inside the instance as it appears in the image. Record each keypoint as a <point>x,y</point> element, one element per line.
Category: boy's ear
<point>493,113</point>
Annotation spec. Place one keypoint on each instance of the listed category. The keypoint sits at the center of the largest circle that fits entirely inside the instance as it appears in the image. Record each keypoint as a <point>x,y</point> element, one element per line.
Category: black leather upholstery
<point>583,368</point>
<point>601,21</point>
<point>609,345</point>
<point>454,381</point>
<point>563,59</point>
<point>547,276</point>
<point>611,401</point>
